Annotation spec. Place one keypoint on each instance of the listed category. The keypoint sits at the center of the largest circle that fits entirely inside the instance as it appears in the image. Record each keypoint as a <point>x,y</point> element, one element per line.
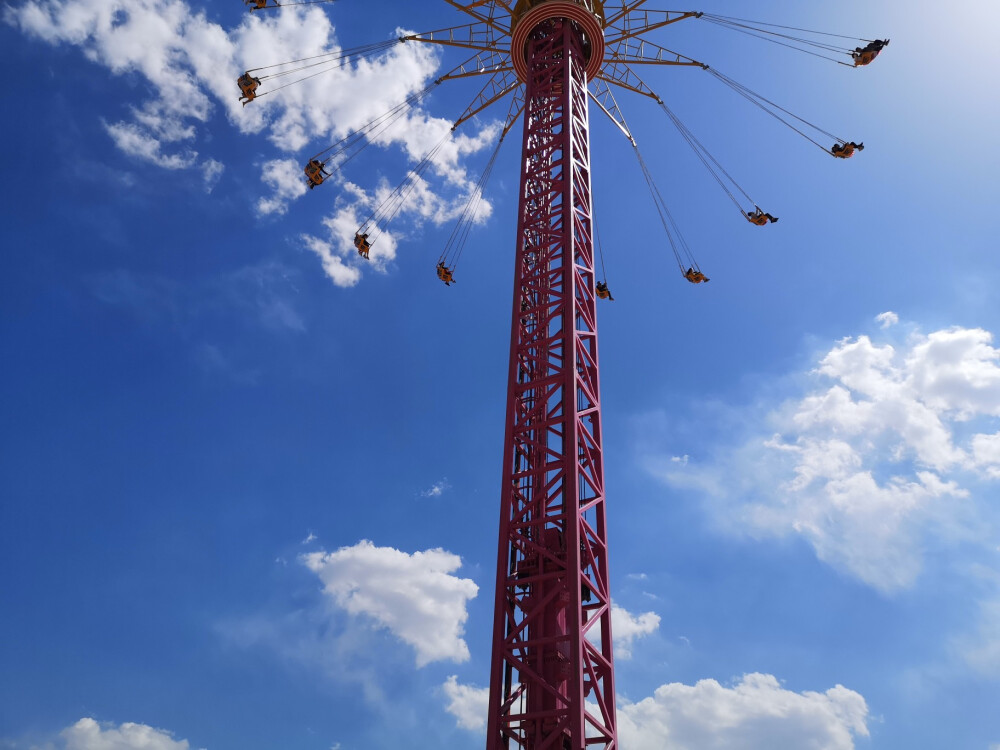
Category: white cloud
<point>437,489</point>
<point>87,734</point>
<point>626,627</point>
<point>191,64</point>
<point>310,538</point>
<point>336,269</point>
<point>131,139</point>
<point>354,209</point>
<point>756,713</point>
<point>211,171</point>
<point>957,372</point>
<point>986,453</point>
<point>887,319</point>
<point>469,705</point>
<point>871,460</point>
<point>286,180</point>
<point>414,596</point>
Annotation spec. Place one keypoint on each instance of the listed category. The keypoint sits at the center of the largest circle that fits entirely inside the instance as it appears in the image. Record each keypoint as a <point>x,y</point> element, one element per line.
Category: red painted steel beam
<point>552,671</point>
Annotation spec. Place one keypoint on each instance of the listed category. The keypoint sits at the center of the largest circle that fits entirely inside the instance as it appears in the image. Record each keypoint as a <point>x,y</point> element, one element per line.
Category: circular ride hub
<point>529,16</point>
<point>552,618</point>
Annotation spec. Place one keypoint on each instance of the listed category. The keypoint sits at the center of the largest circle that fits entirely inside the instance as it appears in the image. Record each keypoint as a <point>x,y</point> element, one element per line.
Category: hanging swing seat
<point>362,244</point>
<point>695,276</point>
<point>444,273</point>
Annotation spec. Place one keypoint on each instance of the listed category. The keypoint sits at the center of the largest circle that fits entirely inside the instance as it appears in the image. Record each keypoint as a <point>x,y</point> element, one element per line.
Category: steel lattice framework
<point>552,571</point>
<point>552,670</point>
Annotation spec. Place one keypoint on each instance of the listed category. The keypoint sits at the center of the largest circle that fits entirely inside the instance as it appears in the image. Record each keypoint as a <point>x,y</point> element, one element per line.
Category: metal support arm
<point>643,21</point>
<point>470,36</point>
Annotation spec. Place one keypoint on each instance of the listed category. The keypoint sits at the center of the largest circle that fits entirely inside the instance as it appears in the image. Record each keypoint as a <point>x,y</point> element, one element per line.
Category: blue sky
<point>237,462</point>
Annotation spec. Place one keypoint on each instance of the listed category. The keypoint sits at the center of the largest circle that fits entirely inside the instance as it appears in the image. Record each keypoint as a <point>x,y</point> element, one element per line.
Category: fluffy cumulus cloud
<point>469,705</point>
<point>337,269</point>
<point>412,202</point>
<point>413,596</point>
<point>284,177</point>
<point>87,734</point>
<point>191,64</point>
<point>756,713</point>
<point>626,627</point>
<point>887,319</point>
<point>876,456</point>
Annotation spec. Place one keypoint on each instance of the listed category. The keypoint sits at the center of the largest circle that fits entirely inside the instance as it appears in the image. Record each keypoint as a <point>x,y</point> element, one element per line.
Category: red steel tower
<point>552,669</point>
<point>552,676</point>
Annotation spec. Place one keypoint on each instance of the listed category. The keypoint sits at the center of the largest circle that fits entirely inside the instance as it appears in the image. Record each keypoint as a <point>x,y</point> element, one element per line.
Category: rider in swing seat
<point>362,244</point>
<point>865,55</point>
<point>695,277</point>
<point>248,87</point>
<point>315,173</point>
<point>846,151</point>
<point>760,218</point>
<point>444,273</point>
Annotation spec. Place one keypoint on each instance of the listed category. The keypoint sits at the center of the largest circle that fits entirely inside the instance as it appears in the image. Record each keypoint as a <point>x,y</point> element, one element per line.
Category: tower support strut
<point>552,672</point>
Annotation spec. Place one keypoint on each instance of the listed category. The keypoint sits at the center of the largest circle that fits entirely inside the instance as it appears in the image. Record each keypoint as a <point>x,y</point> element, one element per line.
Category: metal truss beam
<point>483,63</point>
<point>476,36</point>
<point>600,92</point>
<point>552,679</point>
<point>638,22</point>
<point>497,87</point>
<point>489,18</point>
<point>637,51</point>
<point>626,8</point>
<point>514,110</point>
<point>623,76</point>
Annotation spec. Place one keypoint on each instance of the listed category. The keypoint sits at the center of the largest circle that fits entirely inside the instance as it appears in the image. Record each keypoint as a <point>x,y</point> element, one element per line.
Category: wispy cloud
<point>135,141</point>
<point>979,646</point>
<point>887,319</point>
<point>263,294</point>
<point>211,171</point>
<point>437,489</point>
<point>284,177</point>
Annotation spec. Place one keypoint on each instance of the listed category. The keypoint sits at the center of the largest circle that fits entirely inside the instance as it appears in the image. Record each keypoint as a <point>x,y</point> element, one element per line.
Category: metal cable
<point>757,99</point>
<point>678,244</point>
<point>779,26</point>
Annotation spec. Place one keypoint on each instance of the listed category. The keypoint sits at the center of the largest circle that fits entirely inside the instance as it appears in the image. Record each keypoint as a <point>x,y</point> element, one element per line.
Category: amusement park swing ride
<point>552,668</point>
